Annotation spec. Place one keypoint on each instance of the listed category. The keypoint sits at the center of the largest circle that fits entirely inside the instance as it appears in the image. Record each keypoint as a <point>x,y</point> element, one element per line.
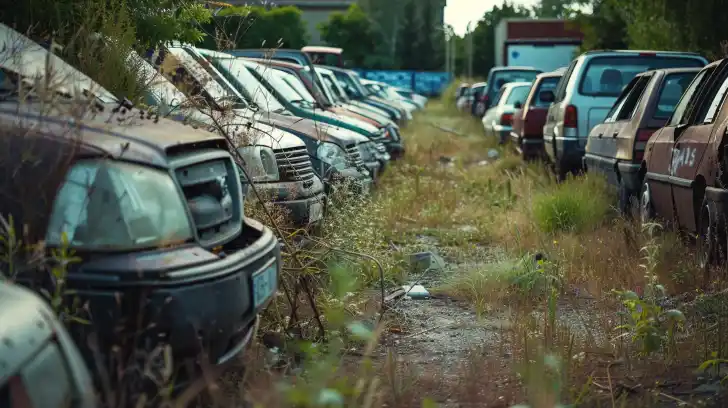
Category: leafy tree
<point>152,21</point>
<point>410,37</point>
<point>558,8</point>
<point>484,35</point>
<point>353,31</point>
<point>604,27</point>
<point>255,27</point>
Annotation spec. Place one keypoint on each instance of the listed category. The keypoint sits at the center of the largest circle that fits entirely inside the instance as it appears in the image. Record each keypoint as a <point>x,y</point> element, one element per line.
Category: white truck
<point>544,44</point>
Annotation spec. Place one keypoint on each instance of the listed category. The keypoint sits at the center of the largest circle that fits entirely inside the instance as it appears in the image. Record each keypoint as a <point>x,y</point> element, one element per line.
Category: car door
<point>556,112</point>
<point>490,117</point>
<point>601,149</point>
<point>660,147</point>
<point>691,145</point>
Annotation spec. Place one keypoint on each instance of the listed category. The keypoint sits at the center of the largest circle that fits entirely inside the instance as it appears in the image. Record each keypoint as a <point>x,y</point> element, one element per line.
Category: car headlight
<point>260,163</point>
<point>366,152</point>
<point>331,154</point>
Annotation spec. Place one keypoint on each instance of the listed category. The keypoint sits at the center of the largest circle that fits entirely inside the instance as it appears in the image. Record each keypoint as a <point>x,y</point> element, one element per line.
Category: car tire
<point>646,210</point>
<point>708,237</point>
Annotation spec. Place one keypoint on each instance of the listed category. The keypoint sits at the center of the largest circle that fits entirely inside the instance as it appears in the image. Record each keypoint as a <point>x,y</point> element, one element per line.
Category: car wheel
<point>647,211</point>
<point>708,242</point>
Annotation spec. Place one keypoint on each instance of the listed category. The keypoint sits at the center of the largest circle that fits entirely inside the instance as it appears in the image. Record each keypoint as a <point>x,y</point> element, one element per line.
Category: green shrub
<point>576,205</point>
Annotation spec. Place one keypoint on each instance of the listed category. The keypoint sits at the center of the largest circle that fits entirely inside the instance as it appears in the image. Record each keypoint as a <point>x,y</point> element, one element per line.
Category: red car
<point>528,120</point>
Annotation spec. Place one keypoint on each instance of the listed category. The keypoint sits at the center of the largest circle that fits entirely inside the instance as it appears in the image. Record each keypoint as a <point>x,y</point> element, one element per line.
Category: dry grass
<point>560,342</point>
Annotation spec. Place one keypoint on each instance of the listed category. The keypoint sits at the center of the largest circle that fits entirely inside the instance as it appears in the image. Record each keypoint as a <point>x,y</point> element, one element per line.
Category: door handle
<point>615,134</point>
<point>600,135</point>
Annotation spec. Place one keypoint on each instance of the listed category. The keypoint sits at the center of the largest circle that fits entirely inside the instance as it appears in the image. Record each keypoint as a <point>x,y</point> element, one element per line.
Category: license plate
<point>264,284</point>
<point>315,212</point>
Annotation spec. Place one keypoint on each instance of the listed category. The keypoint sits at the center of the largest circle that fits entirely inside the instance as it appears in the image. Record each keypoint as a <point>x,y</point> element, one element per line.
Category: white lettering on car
<point>680,158</point>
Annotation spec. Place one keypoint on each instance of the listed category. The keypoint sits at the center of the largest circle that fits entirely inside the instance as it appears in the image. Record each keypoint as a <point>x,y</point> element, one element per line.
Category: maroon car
<point>686,182</point>
<point>528,120</point>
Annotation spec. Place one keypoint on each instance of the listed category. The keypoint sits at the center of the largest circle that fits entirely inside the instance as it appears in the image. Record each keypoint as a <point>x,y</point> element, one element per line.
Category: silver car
<point>498,120</point>
<point>40,365</point>
<point>587,91</point>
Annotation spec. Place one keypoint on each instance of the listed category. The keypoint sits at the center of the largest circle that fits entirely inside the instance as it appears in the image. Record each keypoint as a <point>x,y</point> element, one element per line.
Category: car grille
<point>294,164</point>
<point>352,153</point>
<point>210,190</point>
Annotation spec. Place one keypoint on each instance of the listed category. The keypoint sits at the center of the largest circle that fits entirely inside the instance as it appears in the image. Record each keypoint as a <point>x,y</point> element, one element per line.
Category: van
<point>586,93</point>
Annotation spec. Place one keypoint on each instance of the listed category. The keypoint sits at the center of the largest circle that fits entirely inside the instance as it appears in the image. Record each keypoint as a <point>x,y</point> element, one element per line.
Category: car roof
<point>148,141</point>
<point>315,48</point>
<point>667,71</point>
<point>516,84</point>
<point>478,84</point>
<point>607,51</point>
<point>278,63</point>
<point>513,68</point>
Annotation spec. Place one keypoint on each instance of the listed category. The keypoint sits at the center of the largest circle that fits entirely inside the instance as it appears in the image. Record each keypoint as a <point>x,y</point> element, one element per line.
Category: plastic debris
<point>425,261</point>
<point>416,292</point>
<point>493,154</point>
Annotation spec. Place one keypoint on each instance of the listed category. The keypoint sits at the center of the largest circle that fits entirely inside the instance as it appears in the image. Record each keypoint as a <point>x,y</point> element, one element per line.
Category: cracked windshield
<point>363,204</point>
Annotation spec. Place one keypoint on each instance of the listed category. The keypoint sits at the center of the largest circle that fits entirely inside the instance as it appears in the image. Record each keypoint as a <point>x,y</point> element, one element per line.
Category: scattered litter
<point>493,154</point>
<point>416,292</point>
<point>483,163</point>
<point>426,261</point>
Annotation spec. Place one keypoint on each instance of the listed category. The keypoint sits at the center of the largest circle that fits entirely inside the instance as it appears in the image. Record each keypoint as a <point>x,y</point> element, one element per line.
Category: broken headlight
<point>331,154</point>
<point>260,163</point>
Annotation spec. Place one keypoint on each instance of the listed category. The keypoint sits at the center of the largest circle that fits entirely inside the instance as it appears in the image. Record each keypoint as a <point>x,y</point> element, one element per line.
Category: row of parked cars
<point>149,195</point>
<point>653,122</point>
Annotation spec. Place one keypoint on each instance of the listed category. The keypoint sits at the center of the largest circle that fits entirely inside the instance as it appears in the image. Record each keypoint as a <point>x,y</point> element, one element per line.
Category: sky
<point>459,13</point>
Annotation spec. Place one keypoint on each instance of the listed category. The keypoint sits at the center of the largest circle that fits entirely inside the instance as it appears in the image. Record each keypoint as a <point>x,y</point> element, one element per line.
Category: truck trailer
<point>544,44</point>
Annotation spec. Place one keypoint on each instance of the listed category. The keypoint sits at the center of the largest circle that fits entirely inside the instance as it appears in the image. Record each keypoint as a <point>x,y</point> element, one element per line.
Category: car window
<point>688,99</point>
<point>564,81</point>
<point>348,84</point>
<point>617,106</point>
<point>236,70</point>
<point>546,84</point>
<point>672,88</point>
<point>499,96</point>
<point>501,78</point>
<point>716,102</point>
<point>606,76</point>
<point>113,205</point>
<point>298,86</point>
<point>518,94</point>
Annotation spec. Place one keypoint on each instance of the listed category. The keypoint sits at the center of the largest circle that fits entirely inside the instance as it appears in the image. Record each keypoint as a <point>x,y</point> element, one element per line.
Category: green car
<point>288,96</point>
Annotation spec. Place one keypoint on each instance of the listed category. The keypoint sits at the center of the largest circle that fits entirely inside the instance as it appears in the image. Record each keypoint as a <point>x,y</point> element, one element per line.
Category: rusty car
<point>685,179</point>
<point>615,147</point>
<point>528,118</point>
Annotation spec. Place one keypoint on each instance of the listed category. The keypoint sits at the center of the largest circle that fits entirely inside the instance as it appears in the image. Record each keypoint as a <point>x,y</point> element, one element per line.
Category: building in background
<point>314,11</point>
<point>546,44</point>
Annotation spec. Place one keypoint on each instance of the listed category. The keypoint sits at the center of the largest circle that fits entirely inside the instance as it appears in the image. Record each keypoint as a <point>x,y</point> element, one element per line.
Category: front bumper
<point>305,202</point>
<point>189,298</point>
<point>395,149</point>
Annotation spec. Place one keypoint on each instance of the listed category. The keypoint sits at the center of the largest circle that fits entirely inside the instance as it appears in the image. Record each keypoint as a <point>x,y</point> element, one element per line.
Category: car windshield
<point>298,86</point>
<point>349,86</point>
<point>236,68</point>
<point>276,82</point>
<point>546,84</point>
<point>518,94</point>
<point>672,89</point>
<point>337,92</point>
<point>501,78</point>
<point>193,80</point>
<point>607,76</point>
<point>112,205</point>
<point>28,60</point>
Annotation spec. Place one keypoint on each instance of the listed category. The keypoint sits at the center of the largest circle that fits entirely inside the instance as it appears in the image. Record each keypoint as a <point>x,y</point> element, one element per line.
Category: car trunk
<point>533,123</point>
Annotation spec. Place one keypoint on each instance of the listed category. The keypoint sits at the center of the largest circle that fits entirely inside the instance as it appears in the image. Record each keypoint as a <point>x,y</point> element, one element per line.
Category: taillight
<point>506,119</point>
<point>643,135</point>
<point>570,117</point>
<point>484,98</point>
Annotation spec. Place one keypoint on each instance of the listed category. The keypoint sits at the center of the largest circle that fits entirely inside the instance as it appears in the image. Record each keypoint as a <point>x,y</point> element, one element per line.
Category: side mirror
<point>546,96</point>
<point>518,105</point>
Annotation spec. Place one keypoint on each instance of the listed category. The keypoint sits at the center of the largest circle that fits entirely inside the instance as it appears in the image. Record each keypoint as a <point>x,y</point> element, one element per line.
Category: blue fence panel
<point>426,83</point>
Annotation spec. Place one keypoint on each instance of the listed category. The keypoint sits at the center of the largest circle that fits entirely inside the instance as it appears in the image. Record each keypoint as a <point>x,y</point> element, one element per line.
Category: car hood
<point>348,120</point>
<point>310,128</point>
